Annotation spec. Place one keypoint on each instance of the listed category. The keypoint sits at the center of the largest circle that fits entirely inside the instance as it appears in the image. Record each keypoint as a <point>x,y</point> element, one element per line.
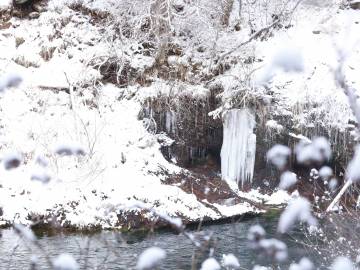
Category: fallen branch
<point>338,196</point>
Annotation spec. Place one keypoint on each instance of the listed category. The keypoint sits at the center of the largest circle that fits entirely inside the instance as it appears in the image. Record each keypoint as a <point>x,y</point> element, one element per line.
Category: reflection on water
<point>112,250</point>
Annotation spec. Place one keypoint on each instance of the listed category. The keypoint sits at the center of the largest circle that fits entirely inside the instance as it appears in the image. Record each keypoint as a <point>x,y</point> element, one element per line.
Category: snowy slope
<point>123,163</point>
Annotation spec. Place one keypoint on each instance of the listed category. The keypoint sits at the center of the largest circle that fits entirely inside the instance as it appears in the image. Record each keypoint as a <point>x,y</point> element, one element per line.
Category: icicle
<point>170,122</point>
<point>239,145</point>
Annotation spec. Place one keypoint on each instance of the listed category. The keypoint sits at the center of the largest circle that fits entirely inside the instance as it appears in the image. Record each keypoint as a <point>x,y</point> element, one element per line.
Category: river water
<point>112,250</point>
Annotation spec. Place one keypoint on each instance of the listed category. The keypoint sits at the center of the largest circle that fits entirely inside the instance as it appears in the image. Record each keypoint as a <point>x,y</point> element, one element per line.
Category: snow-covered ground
<point>123,163</point>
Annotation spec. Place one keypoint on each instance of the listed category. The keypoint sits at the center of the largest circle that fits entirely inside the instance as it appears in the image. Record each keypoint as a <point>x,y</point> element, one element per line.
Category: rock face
<point>197,138</point>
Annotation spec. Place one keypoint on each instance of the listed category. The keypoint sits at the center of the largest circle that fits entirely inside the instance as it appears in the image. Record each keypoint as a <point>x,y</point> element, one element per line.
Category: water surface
<point>113,250</point>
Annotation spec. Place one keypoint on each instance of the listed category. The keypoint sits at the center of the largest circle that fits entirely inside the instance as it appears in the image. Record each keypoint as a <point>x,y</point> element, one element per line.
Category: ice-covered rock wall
<point>239,146</point>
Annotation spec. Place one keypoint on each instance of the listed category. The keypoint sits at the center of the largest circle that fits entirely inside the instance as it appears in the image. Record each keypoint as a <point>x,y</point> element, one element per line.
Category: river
<point>113,250</point>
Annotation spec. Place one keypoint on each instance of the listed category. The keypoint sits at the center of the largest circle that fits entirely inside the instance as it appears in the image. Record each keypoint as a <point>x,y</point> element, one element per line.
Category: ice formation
<point>239,145</point>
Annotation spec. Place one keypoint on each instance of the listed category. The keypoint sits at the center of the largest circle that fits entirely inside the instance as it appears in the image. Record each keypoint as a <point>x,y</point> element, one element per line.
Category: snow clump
<point>210,264</point>
<point>278,155</point>
<point>287,180</point>
<point>25,232</point>
<point>65,262</point>
<point>318,151</point>
<point>255,234</point>
<point>230,261</point>
<point>274,248</point>
<point>342,263</point>
<point>304,264</point>
<point>298,210</point>
<point>150,258</point>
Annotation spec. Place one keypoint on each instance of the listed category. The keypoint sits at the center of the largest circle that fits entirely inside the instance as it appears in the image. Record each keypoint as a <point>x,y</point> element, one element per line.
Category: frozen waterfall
<point>239,145</point>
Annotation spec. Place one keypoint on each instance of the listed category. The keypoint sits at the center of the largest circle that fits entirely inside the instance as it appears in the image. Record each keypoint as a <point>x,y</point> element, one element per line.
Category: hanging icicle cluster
<point>239,145</point>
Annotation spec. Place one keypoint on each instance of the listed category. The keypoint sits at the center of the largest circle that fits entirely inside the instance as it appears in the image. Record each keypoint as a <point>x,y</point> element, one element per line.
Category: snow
<point>65,262</point>
<point>25,232</point>
<point>272,124</point>
<point>239,146</point>
<point>333,183</point>
<point>325,173</point>
<point>9,80</point>
<point>210,264</point>
<point>5,4</point>
<point>299,209</point>
<point>230,261</point>
<point>287,180</point>
<point>255,234</point>
<point>342,263</point>
<point>304,264</point>
<point>288,59</point>
<point>259,267</point>
<point>279,155</point>
<point>319,150</point>
<point>274,248</point>
<point>150,258</point>
<point>277,198</point>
